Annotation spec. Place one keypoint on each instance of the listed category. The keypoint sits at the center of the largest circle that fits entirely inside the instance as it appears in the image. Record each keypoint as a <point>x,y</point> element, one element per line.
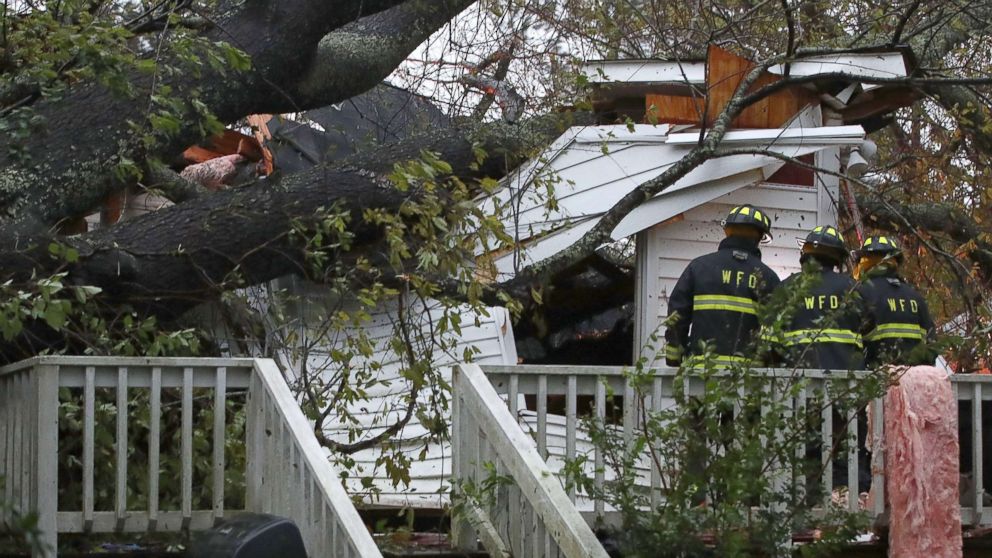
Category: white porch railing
<point>532,516</point>
<point>507,386</point>
<point>287,471</point>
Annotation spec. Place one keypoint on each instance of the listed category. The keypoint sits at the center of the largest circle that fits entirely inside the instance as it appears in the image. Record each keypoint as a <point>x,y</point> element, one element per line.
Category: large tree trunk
<point>92,133</point>
<point>169,260</point>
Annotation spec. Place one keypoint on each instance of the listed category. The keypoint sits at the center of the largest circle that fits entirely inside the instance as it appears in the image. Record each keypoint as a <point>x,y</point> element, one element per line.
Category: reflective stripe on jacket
<point>715,301</point>
<point>898,321</point>
<point>825,329</point>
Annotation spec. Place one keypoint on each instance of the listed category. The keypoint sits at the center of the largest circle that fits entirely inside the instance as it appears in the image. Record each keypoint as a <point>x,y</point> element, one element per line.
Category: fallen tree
<point>103,131</point>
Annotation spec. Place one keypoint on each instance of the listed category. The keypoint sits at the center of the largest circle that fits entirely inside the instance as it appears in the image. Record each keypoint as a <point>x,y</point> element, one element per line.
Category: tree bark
<point>939,218</point>
<point>91,133</point>
<point>169,260</point>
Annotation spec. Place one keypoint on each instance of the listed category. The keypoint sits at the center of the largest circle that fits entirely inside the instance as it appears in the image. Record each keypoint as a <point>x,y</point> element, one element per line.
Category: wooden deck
<point>287,472</point>
<point>534,516</point>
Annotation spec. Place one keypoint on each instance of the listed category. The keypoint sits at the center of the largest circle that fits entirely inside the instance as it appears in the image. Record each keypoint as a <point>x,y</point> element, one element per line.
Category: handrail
<point>543,521</point>
<point>289,474</point>
<point>279,442</point>
<point>540,382</point>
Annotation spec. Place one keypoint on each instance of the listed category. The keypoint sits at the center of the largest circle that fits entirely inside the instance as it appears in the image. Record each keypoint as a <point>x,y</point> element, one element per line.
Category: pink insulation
<point>921,466</point>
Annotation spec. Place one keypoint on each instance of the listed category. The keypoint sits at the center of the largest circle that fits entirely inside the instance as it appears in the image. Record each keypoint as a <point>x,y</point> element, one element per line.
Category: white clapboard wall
<point>590,168</point>
<point>665,250</point>
<point>490,338</point>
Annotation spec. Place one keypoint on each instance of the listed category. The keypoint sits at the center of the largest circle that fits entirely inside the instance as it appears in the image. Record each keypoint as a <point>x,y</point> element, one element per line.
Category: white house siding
<point>591,168</point>
<point>665,250</point>
<point>492,337</point>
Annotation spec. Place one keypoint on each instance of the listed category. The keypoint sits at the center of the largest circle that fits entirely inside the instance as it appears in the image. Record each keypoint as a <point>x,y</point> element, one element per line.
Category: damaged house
<point>604,310</point>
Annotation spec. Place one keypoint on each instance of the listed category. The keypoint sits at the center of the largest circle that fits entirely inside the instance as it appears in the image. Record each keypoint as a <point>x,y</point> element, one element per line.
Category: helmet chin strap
<point>826,257</point>
<point>743,231</point>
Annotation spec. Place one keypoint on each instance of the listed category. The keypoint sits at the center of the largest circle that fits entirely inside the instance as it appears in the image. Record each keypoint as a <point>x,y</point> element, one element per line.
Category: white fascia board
<point>649,133</point>
<point>665,207</point>
<point>630,164</point>
<point>544,248</point>
<point>526,172</point>
<point>856,65</point>
<point>644,71</point>
<point>826,135</point>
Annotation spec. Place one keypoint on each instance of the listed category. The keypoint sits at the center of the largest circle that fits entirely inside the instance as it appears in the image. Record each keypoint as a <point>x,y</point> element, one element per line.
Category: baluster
<point>878,472</point>
<point>272,459</point>
<point>186,447</point>
<point>827,435</point>
<point>514,393</point>
<point>852,459</point>
<point>976,451</point>
<point>120,510</point>
<point>800,425</point>
<point>10,448</point>
<point>89,429</point>
<point>525,525</point>
<point>542,416</point>
<point>301,479</point>
<point>657,391</point>
<point>17,449</point>
<point>282,467</point>
<point>571,419</point>
<point>4,428</point>
<point>43,461</point>
<point>220,427</point>
<point>462,534</point>
<point>326,537</point>
<point>629,413</point>
<point>599,477</point>
<point>154,441</point>
<point>514,525</point>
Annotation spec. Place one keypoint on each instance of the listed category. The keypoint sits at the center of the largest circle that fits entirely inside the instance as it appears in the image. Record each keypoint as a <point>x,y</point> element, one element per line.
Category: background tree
<point>101,96</point>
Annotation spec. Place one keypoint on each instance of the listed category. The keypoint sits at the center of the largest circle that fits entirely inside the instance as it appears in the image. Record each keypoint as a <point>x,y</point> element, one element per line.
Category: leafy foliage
<point>371,349</point>
<point>740,456</point>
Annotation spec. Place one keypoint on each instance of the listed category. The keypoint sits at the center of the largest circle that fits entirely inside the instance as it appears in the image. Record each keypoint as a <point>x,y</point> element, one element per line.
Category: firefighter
<point>715,299</point>
<point>827,313</point>
<point>899,327</point>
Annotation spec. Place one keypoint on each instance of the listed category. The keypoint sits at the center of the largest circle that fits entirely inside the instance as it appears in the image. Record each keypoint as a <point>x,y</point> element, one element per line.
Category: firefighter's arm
<point>867,316</point>
<point>926,322</point>
<point>679,318</point>
<point>771,346</point>
<point>768,286</point>
<point>930,335</point>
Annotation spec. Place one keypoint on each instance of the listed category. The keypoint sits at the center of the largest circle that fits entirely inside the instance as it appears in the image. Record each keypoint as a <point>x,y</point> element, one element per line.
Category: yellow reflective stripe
<point>673,351</point>
<point>700,361</point>
<point>769,335</point>
<point>724,302</point>
<point>823,336</point>
<point>896,331</point>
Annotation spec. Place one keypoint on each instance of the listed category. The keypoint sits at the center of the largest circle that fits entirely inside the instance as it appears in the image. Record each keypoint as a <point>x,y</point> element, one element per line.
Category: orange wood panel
<point>673,109</point>
<point>724,73</point>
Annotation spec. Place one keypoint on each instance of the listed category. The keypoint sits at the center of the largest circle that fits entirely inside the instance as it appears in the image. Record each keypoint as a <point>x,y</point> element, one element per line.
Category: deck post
<point>462,534</point>
<point>46,404</point>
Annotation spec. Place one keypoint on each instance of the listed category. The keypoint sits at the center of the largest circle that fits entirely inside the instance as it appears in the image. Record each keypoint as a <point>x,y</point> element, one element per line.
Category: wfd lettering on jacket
<point>900,304</point>
<point>730,275</point>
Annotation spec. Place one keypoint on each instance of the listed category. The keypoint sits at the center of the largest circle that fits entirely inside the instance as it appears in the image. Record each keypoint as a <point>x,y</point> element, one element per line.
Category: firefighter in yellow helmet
<point>898,327</point>
<point>824,331</point>
<point>715,299</point>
